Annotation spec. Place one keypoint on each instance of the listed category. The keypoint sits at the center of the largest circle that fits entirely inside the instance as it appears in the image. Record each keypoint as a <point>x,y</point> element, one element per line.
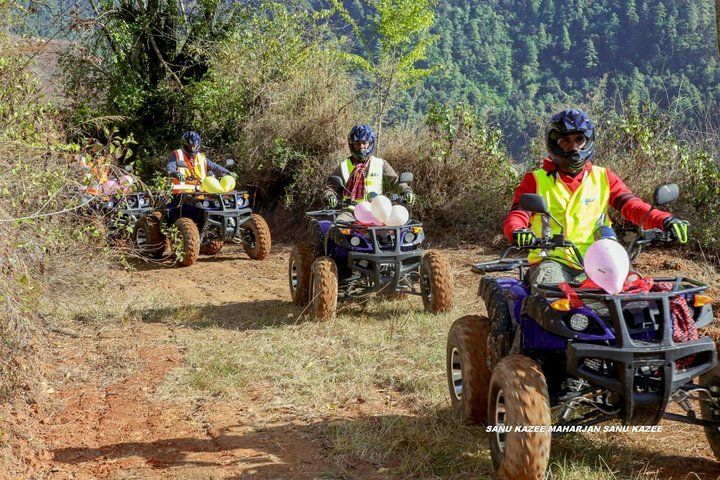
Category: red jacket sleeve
<point>631,207</point>
<point>518,218</point>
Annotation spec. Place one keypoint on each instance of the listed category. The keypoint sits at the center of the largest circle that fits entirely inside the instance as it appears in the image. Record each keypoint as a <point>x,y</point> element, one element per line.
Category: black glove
<point>331,201</point>
<point>677,228</point>
<point>523,237</point>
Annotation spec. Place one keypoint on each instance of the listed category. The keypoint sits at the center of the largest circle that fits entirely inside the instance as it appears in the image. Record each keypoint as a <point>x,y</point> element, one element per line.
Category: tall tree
<point>393,41</point>
<point>717,22</point>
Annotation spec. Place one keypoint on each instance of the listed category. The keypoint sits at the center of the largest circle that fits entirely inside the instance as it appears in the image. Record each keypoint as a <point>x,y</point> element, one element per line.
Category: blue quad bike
<point>536,366</point>
<point>204,222</point>
<point>352,261</point>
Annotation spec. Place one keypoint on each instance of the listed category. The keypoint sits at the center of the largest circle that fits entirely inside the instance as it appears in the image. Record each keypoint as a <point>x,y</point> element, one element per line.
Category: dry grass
<point>373,384</point>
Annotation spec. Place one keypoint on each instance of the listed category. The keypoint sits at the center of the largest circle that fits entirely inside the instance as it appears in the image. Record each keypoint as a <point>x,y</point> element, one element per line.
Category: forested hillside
<point>513,59</point>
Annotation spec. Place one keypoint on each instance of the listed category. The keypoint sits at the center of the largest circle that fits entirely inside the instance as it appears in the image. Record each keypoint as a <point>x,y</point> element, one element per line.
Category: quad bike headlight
<point>579,322</point>
<point>354,241</point>
<point>409,237</point>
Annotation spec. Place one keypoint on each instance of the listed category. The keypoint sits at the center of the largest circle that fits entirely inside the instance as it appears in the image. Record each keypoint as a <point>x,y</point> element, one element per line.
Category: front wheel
<point>710,411</point>
<point>299,272</point>
<point>324,288</point>
<point>519,398</point>
<point>436,282</point>
<point>467,371</point>
<point>148,237</point>
<point>190,237</point>
<point>213,247</point>
<point>257,242</point>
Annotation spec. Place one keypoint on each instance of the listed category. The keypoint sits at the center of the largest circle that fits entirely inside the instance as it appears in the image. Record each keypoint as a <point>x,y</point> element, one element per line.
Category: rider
<point>188,162</point>
<point>578,194</point>
<point>363,174</point>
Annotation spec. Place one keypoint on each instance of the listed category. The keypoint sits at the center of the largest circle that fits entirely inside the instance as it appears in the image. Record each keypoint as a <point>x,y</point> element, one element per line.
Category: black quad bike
<point>204,222</point>
<point>118,213</point>
<point>353,261</point>
<point>540,364</point>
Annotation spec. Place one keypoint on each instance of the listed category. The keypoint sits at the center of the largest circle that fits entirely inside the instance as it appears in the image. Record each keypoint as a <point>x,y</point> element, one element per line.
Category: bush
<point>463,175</point>
<point>647,147</point>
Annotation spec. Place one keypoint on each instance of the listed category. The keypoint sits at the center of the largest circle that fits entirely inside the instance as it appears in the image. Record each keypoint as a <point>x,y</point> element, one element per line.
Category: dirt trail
<point>111,424</point>
<point>101,416</point>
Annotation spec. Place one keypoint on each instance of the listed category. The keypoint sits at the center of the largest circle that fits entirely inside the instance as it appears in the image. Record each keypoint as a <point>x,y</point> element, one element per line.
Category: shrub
<point>647,147</point>
<point>463,175</point>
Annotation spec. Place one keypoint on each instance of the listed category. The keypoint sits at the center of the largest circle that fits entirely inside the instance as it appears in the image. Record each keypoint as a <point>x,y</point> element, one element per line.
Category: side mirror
<point>405,177</point>
<point>229,162</point>
<point>665,194</point>
<point>532,202</point>
<point>336,181</point>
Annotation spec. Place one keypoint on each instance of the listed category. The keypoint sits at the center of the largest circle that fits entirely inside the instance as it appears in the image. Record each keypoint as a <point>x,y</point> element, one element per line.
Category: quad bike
<point>119,213</point>
<point>204,222</point>
<point>539,364</point>
<point>353,261</point>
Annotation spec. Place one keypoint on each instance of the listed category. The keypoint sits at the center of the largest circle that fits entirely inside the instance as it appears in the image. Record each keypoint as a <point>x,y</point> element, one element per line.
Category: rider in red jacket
<point>570,140</point>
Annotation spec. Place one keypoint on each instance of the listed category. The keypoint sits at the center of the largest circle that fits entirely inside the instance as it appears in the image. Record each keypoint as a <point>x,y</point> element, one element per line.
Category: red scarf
<point>355,187</point>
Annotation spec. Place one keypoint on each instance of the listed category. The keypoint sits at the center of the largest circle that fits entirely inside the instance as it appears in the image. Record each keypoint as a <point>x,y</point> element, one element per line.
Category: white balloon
<point>399,215</point>
<point>607,264</point>
<point>381,206</point>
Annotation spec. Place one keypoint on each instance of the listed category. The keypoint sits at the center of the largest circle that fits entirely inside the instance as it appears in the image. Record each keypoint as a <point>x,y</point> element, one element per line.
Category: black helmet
<point>361,133</point>
<point>191,138</point>
<point>562,124</point>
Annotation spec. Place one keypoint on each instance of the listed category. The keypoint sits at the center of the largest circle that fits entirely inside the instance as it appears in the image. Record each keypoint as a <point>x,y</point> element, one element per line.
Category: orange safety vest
<point>190,168</point>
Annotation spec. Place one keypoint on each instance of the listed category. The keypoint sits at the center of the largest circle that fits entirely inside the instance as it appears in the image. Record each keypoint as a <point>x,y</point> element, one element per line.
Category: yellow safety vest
<point>373,175</point>
<point>200,170</point>
<point>578,212</point>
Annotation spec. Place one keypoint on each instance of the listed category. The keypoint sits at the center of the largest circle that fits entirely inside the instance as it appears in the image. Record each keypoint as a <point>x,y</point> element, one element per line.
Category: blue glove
<point>677,228</point>
<point>409,197</point>
<point>523,237</point>
<point>331,201</point>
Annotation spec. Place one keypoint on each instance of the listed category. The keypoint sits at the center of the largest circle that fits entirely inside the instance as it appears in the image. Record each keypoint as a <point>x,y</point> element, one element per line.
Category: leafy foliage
<point>394,39</point>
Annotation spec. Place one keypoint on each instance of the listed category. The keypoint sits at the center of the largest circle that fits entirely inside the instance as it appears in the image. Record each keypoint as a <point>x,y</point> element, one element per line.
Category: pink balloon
<point>607,264</point>
<point>110,187</point>
<point>126,182</point>
<point>363,213</point>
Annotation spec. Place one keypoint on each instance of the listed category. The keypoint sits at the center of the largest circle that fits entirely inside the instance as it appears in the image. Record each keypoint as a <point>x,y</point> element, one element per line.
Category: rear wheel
<point>190,237</point>
<point>324,288</point>
<point>299,272</point>
<point>467,371</point>
<point>257,243</point>
<point>708,411</point>
<point>436,282</point>
<point>213,247</point>
<point>519,398</point>
<point>148,237</point>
